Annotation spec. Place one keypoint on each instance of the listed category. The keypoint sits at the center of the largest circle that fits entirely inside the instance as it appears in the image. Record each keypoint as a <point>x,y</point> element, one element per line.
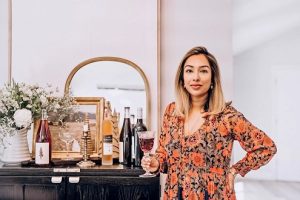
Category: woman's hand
<point>150,163</point>
<point>230,177</point>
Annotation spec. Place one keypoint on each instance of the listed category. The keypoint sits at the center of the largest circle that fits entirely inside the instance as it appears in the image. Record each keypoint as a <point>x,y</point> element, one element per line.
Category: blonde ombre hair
<point>215,102</point>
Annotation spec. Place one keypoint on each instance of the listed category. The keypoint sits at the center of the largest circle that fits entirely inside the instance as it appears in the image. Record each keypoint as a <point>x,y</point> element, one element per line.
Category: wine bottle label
<point>42,153</point>
<point>121,152</point>
<point>107,139</point>
<point>107,149</point>
<point>132,148</point>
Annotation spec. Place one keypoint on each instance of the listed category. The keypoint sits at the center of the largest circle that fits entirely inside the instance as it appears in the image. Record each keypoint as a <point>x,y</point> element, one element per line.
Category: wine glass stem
<point>147,155</point>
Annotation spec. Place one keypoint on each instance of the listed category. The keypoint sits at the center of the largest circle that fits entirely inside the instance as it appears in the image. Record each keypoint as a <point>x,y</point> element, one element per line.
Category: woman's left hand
<point>230,177</point>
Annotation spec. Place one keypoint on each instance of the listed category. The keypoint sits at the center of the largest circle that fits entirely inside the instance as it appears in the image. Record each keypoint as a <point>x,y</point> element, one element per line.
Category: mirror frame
<point>121,60</point>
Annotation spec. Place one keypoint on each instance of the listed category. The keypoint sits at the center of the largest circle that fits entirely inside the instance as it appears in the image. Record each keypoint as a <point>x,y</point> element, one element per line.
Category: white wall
<point>186,24</point>
<point>51,37</point>
<point>256,95</point>
<point>3,42</point>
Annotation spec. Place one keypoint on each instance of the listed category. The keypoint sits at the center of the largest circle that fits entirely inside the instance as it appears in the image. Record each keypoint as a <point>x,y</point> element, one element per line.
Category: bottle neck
<point>44,115</point>
<point>139,121</point>
<point>106,114</point>
<point>127,112</point>
<point>139,113</point>
<point>132,119</point>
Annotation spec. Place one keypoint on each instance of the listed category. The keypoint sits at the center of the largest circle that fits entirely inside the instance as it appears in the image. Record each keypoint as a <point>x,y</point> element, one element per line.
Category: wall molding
<point>158,66</point>
<point>9,42</point>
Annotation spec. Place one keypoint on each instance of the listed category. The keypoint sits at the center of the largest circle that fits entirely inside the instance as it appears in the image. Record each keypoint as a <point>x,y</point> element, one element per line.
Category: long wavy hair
<point>215,102</point>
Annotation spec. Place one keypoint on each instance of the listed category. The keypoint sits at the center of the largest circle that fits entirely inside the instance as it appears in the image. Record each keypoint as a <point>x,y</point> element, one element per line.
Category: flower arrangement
<point>21,104</point>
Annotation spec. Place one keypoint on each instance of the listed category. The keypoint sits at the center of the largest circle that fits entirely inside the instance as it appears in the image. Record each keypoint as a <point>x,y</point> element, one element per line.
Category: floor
<point>261,190</point>
<point>267,190</point>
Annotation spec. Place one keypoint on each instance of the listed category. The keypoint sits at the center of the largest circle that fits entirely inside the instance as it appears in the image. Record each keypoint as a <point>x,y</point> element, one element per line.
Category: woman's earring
<point>211,86</point>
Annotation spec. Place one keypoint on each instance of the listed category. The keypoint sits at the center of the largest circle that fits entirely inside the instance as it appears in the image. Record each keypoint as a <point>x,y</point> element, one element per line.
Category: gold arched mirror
<point>118,80</point>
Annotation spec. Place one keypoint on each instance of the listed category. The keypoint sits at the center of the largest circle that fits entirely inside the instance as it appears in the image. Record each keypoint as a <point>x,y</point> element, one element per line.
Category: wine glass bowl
<point>68,139</point>
<point>146,140</point>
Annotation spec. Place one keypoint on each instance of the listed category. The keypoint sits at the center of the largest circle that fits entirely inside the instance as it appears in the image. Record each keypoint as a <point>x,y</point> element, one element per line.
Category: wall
<point>3,42</point>
<point>51,37</point>
<point>39,47</point>
<point>186,24</point>
<point>267,105</point>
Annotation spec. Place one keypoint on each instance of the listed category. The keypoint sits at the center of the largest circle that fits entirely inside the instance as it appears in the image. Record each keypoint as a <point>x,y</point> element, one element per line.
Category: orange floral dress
<point>200,162</point>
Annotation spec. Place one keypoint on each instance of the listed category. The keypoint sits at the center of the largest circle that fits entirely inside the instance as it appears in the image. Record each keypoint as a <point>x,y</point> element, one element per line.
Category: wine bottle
<point>125,139</point>
<point>139,126</point>
<point>107,131</point>
<point>132,120</point>
<point>43,141</point>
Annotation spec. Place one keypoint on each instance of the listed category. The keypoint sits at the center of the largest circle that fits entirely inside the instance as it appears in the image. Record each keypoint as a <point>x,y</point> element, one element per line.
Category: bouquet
<point>21,104</point>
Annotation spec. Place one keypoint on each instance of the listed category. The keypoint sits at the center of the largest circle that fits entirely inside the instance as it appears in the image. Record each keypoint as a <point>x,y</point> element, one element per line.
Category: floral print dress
<point>200,162</point>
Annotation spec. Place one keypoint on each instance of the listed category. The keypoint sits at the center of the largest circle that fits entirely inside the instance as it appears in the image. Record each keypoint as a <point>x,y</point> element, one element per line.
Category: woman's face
<point>197,76</point>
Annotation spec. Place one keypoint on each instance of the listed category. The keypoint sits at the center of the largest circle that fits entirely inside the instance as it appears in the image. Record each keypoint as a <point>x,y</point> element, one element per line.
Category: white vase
<point>16,148</point>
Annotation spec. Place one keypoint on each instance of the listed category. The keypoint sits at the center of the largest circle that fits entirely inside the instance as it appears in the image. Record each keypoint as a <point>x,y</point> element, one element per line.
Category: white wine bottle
<point>107,131</point>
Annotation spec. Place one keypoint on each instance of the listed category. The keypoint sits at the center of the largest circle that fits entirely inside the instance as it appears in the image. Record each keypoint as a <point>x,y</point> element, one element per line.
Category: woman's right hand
<point>150,163</point>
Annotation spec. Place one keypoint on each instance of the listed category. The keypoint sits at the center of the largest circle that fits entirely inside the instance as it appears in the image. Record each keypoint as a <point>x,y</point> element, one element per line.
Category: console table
<point>70,182</point>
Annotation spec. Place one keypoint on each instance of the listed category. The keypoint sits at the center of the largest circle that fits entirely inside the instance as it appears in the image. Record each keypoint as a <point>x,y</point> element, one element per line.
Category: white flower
<point>26,90</point>
<point>26,98</point>
<point>3,108</point>
<point>5,93</point>
<point>44,100</point>
<point>23,118</point>
<point>13,103</point>
<point>20,104</point>
<point>57,106</point>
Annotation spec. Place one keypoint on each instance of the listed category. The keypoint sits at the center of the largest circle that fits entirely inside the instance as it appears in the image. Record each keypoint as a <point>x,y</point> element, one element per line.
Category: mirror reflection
<point>117,80</point>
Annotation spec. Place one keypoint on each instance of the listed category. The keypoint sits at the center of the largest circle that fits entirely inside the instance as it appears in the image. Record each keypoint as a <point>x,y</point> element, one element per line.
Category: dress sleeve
<point>259,146</point>
<point>161,153</point>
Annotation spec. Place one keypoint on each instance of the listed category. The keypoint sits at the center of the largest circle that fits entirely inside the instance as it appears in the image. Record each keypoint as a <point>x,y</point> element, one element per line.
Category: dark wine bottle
<point>125,140</point>
<point>132,120</point>
<point>139,126</point>
<point>43,142</point>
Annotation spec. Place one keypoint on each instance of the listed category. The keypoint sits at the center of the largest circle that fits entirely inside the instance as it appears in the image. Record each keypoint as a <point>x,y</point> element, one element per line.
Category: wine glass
<point>146,139</point>
<point>68,139</point>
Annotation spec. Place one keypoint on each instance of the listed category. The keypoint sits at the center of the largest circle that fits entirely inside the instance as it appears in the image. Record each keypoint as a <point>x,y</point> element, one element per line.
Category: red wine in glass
<point>146,144</point>
<point>146,139</point>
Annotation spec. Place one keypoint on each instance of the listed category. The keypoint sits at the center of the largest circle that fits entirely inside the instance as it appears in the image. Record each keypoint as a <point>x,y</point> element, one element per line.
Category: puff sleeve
<point>259,146</point>
<point>161,153</point>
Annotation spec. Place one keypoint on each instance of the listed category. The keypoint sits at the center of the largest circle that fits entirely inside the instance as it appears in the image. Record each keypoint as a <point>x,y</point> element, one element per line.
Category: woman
<point>198,132</point>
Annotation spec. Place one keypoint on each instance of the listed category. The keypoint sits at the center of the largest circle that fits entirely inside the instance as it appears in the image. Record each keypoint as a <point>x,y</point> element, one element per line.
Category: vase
<point>16,148</point>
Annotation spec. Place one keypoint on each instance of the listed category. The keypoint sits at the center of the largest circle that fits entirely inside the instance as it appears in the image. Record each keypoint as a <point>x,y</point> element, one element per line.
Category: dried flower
<point>20,104</point>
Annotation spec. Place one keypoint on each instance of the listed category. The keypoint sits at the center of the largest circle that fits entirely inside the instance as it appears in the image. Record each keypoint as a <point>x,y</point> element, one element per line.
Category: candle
<point>85,127</point>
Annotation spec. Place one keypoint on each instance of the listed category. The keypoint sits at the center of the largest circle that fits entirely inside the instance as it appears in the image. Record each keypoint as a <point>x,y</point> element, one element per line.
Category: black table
<point>70,182</point>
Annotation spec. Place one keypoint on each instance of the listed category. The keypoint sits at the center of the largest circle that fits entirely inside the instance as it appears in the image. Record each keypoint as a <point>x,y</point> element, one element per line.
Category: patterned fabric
<point>201,161</point>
